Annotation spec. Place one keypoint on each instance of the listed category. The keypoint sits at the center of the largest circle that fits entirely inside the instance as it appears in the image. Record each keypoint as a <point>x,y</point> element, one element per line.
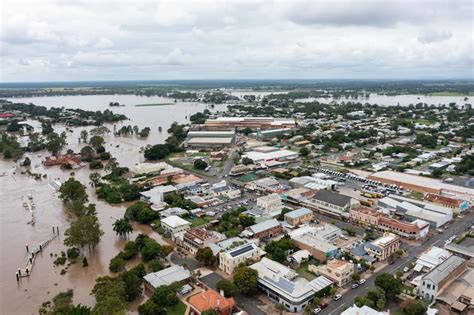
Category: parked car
<point>337,297</point>
<point>406,269</point>
<point>316,310</point>
<point>355,285</point>
<point>361,281</point>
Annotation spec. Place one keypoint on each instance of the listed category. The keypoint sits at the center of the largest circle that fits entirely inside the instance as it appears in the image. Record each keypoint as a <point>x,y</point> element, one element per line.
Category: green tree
<point>85,231</point>
<point>355,277</point>
<point>414,307</point>
<point>199,164</point>
<point>96,141</point>
<point>71,191</point>
<point>246,220</point>
<point>87,153</point>
<point>206,256</point>
<point>84,135</point>
<point>228,287</point>
<point>122,227</point>
<point>109,294</point>
<point>304,151</point>
<point>150,308</point>
<point>247,161</point>
<point>156,152</point>
<point>95,178</point>
<point>391,285</point>
<point>245,279</point>
<point>54,143</point>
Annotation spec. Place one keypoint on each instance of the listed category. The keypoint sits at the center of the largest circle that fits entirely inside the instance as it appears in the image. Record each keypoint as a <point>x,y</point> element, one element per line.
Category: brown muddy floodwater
<point>26,296</point>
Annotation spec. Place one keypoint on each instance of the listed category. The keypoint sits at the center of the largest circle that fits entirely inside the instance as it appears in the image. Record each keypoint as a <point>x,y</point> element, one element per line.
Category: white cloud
<point>80,40</point>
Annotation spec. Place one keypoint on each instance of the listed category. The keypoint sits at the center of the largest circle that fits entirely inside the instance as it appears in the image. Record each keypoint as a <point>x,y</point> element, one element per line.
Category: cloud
<point>433,36</point>
<point>148,39</point>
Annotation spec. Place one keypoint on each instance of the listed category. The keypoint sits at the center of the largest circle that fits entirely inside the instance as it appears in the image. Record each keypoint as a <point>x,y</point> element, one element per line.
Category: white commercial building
<point>270,202</point>
<point>283,285</point>
<point>175,225</point>
<point>259,155</point>
<point>234,256</point>
<point>364,310</point>
<point>431,258</point>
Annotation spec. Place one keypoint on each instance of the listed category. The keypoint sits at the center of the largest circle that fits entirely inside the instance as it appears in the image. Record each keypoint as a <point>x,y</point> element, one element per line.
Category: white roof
<point>364,310</point>
<point>174,221</point>
<point>167,276</point>
<point>202,140</point>
<point>432,258</point>
<point>259,156</point>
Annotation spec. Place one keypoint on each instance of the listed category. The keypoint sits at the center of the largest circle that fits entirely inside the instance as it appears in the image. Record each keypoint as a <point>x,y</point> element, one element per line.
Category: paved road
<point>249,304</point>
<point>191,264</point>
<point>455,228</point>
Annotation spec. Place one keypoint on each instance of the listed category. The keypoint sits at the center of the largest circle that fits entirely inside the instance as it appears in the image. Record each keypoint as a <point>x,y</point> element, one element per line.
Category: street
<point>455,228</point>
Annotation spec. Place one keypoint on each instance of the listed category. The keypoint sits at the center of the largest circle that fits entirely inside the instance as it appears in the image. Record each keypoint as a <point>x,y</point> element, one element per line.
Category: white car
<point>361,281</point>
<point>316,310</point>
<point>337,297</point>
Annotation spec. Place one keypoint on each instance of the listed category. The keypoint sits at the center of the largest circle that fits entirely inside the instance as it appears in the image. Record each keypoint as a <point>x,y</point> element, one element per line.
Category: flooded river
<point>26,296</point>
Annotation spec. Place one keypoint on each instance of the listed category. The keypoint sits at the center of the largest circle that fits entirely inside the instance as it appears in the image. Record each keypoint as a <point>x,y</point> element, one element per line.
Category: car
<point>316,310</point>
<point>406,269</point>
<point>355,285</point>
<point>337,297</point>
<point>361,281</point>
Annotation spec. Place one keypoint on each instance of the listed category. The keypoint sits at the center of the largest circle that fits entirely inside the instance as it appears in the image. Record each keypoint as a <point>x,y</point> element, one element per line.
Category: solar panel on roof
<point>241,250</point>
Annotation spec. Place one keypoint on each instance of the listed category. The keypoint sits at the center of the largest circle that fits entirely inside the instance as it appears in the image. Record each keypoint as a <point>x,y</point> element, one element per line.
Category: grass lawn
<point>303,271</point>
<point>416,195</point>
<point>178,309</point>
<point>198,221</point>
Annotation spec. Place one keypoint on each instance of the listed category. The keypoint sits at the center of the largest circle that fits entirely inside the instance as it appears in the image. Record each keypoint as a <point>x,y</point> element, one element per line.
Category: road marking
<point>436,242</point>
<point>337,308</point>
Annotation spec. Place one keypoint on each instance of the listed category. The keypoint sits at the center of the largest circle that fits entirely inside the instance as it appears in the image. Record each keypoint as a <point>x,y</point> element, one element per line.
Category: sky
<point>76,40</point>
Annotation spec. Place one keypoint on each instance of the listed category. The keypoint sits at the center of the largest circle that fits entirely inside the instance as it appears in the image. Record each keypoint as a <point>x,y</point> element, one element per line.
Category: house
<point>431,258</point>
<point>234,256</point>
<point>441,276</point>
<point>166,276</point>
<point>299,216</point>
<point>269,228</point>
<point>71,159</point>
<point>383,247</point>
<point>339,271</point>
<point>210,300</point>
<point>363,310</point>
<point>175,225</point>
<point>271,202</point>
<point>196,238</point>
<point>283,285</point>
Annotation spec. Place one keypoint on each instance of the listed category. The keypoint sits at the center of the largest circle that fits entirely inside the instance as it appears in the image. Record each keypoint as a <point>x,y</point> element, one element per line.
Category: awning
<point>458,306</point>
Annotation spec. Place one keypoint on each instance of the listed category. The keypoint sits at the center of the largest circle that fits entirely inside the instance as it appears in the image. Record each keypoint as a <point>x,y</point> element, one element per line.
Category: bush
<point>73,253</point>
<point>200,164</point>
<point>105,156</point>
<point>94,165</point>
<point>155,265</point>
<point>117,264</point>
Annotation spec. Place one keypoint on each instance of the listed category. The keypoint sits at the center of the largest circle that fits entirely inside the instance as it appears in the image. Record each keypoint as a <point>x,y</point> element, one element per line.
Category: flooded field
<point>26,296</point>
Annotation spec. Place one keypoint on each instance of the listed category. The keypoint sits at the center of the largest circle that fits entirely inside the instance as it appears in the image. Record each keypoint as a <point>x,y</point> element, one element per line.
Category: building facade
<point>383,247</point>
<point>339,271</point>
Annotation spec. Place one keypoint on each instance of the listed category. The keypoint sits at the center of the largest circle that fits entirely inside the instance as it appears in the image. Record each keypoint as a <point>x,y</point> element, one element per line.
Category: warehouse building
<point>224,123</point>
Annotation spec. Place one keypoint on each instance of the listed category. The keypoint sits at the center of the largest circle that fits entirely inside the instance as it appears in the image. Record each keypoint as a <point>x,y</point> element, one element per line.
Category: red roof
<point>210,300</point>
<point>7,115</point>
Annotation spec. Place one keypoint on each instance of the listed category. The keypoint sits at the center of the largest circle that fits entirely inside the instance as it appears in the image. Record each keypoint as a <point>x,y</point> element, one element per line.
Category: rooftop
<point>167,276</point>
<point>332,197</point>
<point>174,221</point>
<point>209,300</point>
<point>263,226</point>
<point>438,274</point>
<point>298,213</point>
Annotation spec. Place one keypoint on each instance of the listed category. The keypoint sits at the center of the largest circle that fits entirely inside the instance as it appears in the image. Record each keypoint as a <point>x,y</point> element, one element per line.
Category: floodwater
<point>26,296</point>
<point>388,100</point>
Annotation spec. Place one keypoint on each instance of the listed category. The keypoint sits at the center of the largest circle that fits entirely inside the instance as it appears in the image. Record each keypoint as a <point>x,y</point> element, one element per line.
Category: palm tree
<point>122,227</point>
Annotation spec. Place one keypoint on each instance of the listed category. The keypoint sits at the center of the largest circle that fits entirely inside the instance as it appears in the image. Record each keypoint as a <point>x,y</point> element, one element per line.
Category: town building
<point>196,238</point>
<point>441,276</point>
<point>166,276</point>
<point>459,294</point>
<point>330,203</point>
<point>270,133</point>
<point>267,184</point>
<point>208,143</point>
<point>409,230</point>
<point>431,258</point>
<point>210,300</point>
<point>319,248</point>
<point>299,216</point>
<point>422,184</point>
<point>234,256</point>
<point>71,159</point>
<point>339,271</point>
<point>383,247</point>
<point>269,228</point>
<point>365,216</point>
<point>363,310</point>
<point>264,155</point>
<point>458,206</point>
<point>157,194</point>
<point>175,225</point>
<point>271,202</point>
<point>225,123</point>
<point>283,285</point>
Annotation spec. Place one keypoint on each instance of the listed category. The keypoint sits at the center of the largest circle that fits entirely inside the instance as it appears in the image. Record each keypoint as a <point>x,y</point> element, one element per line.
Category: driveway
<point>249,304</point>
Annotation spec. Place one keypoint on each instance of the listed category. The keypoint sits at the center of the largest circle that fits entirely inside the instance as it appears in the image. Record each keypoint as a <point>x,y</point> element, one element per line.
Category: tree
<point>156,152</point>
<point>245,279</point>
<point>247,161</point>
<point>132,283</point>
<point>94,165</point>
<point>96,141</point>
<point>26,162</point>
<point>200,164</point>
<point>150,308</point>
<point>54,143</point>
<point>122,227</point>
<point>246,220</point>
<point>84,135</point>
<point>85,231</point>
<point>391,285</point>
<point>109,294</point>
<point>117,264</point>
<point>95,178</point>
<point>246,131</point>
<point>304,151</point>
<point>206,256</point>
<point>72,190</point>
<point>377,295</point>
<point>87,153</point>
<point>414,307</point>
<point>228,287</point>
<point>355,277</point>
<point>280,308</point>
